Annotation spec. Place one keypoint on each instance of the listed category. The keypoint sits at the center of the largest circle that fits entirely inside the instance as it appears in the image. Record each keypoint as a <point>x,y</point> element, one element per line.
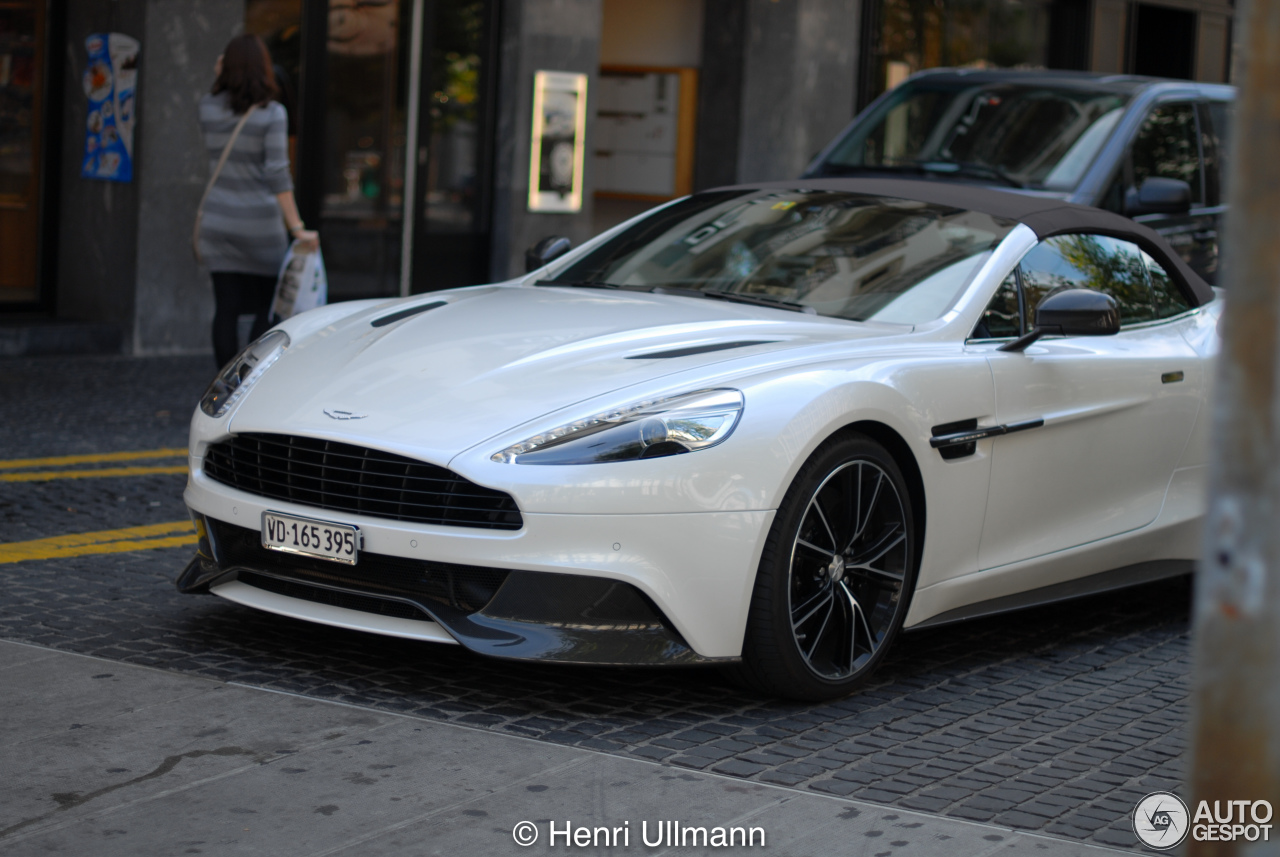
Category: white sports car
<point>767,426</point>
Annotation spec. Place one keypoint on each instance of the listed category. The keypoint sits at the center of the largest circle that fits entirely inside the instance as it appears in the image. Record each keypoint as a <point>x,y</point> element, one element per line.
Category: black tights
<point>234,295</point>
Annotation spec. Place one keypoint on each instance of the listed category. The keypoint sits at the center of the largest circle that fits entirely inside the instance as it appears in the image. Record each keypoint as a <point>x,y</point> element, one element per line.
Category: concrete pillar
<point>778,83</point>
<point>798,89</point>
<point>537,35</point>
<point>724,36</point>
<point>124,250</point>
<point>174,298</point>
<point>97,220</point>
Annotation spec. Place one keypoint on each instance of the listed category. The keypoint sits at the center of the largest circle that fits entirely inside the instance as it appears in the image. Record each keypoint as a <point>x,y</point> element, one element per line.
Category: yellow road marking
<point>47,475</point>
<point>106,541</point>
<point>93,458</point>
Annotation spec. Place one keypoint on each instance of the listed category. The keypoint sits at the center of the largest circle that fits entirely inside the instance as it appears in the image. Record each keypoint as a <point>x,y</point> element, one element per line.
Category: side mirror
<point>1072,312</point>
<point>1158,196</point>
<point>546,251</point>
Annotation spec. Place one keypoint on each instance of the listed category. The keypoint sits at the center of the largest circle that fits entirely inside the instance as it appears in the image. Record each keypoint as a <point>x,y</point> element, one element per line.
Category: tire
<point>836,575</point>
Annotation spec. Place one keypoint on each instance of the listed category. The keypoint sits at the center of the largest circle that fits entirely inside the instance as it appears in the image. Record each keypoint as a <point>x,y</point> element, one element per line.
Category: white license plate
<point>291,534</point>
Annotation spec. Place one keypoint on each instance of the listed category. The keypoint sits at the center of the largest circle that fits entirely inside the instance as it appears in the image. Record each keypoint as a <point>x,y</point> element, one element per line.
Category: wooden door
<point>22,24</point>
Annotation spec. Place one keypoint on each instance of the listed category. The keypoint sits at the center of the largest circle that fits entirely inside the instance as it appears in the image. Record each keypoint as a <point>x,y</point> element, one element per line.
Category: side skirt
<point>1107,581</point>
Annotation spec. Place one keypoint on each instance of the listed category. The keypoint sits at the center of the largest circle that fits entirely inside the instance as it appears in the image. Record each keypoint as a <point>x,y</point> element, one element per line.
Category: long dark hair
<point>246,75</point>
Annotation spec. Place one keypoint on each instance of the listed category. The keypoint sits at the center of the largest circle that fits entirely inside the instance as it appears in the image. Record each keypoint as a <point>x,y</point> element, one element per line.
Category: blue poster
<point>110,82</point>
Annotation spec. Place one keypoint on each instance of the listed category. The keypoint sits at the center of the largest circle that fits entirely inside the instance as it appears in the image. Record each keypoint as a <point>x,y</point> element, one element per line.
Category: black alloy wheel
<point>836,575</point>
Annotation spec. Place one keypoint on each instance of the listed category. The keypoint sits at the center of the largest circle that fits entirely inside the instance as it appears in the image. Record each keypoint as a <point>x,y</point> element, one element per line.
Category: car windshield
<point>1023,135</point>
<point>839,254</point>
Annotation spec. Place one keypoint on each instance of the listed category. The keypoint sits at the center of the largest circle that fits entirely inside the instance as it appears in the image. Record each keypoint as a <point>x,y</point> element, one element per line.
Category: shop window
<point>919,34</point>
<point>1163,41</point>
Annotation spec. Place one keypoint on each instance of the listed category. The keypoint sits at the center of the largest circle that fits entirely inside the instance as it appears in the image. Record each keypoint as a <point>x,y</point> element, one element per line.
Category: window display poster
<point>110,83</point>
<point>558,143</point>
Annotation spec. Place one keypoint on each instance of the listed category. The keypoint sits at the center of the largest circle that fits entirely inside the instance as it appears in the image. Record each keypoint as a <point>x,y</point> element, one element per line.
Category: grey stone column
<point>174,303</point>
<point>97,220</point>
<point>124,250</point>
<point>537,35</point>
<point>778,82</point>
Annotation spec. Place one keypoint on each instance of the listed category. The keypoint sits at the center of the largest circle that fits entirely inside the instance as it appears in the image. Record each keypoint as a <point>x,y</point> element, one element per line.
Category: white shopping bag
<point>302,284</point>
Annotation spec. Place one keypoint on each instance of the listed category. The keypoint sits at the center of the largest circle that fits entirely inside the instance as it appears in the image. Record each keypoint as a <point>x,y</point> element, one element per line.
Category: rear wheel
<point>836,575</point>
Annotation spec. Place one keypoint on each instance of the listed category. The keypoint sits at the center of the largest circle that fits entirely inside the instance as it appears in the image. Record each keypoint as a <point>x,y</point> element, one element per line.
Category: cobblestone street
<point>1057,719</point>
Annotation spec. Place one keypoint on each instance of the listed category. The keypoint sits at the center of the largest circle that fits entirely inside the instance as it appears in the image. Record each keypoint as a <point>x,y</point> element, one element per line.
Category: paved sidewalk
<point>105,758</point>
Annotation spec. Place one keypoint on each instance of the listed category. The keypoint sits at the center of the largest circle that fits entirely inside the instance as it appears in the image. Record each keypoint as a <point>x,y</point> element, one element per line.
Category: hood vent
<point>405,313</point>
<point>699,349</point>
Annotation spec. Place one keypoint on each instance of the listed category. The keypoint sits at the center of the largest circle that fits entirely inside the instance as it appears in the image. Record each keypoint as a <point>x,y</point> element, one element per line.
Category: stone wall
<point>183,38</point>
<point>124,249</point>
<point>801,58</point>
<point>778,82</point>
<point>97,220</point>
<point>537,35</point>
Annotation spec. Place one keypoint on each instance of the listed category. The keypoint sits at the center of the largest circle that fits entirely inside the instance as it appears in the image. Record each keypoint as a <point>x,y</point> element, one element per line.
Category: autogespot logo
<point>1160,820</point>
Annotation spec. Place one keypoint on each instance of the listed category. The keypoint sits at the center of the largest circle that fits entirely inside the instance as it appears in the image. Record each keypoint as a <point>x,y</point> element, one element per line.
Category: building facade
<point>411,125</point>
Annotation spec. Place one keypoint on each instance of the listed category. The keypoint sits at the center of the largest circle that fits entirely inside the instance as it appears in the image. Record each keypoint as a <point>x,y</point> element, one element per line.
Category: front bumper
<point>602,589</point>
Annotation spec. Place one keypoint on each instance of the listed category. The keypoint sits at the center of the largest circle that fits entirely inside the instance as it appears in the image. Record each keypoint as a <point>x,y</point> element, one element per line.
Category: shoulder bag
<point>217,171</point>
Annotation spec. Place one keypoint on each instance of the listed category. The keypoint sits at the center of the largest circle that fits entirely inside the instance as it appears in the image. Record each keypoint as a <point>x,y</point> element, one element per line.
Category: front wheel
<point>836,575</point>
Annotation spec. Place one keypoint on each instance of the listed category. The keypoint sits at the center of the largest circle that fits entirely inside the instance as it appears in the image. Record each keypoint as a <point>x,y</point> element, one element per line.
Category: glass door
<point>22,39</point>
<point>366,82</point>
<point>454,147</point>
<point>343,69</point>
<point>366,118</point>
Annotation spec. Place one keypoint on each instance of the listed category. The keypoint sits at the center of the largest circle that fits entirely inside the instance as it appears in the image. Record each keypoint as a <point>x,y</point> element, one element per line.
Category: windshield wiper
<point>969,168</point>
<point>852,169</point>
<point>926,168</point>
<point>735,297</point>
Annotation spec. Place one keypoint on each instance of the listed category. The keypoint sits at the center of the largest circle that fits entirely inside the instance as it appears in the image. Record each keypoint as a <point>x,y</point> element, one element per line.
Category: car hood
<point>490,359</point>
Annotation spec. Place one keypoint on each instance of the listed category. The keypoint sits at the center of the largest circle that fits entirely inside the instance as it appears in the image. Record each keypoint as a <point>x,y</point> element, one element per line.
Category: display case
<point>644,132</point>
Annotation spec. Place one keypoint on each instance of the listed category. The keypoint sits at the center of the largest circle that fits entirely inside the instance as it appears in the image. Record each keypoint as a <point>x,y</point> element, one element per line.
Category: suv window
<point>1167,146</point>
<point>1217,135</point>
<point>1031,133</point>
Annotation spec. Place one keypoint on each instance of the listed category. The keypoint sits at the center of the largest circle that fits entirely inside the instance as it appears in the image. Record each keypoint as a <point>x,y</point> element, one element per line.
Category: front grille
<point>462,588</point>
<point>331,475</point>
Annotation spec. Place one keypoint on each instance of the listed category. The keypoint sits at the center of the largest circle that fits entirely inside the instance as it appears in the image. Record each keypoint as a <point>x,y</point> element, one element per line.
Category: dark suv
<point>1148,148</point>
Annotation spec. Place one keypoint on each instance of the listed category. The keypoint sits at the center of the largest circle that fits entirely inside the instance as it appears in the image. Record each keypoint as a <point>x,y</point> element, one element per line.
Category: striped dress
<point>242,230</point>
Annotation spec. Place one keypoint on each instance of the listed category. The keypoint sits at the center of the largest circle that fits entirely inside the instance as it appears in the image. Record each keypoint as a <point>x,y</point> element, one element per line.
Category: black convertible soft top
<point>1046,216</point>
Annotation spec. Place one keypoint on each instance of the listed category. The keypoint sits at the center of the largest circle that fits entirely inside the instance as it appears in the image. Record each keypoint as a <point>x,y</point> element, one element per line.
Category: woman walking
<point>249,211</point>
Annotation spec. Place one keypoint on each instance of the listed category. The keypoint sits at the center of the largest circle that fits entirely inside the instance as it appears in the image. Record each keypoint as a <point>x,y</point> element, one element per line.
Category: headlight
<point>651,429</point>
<point>244,370</point>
